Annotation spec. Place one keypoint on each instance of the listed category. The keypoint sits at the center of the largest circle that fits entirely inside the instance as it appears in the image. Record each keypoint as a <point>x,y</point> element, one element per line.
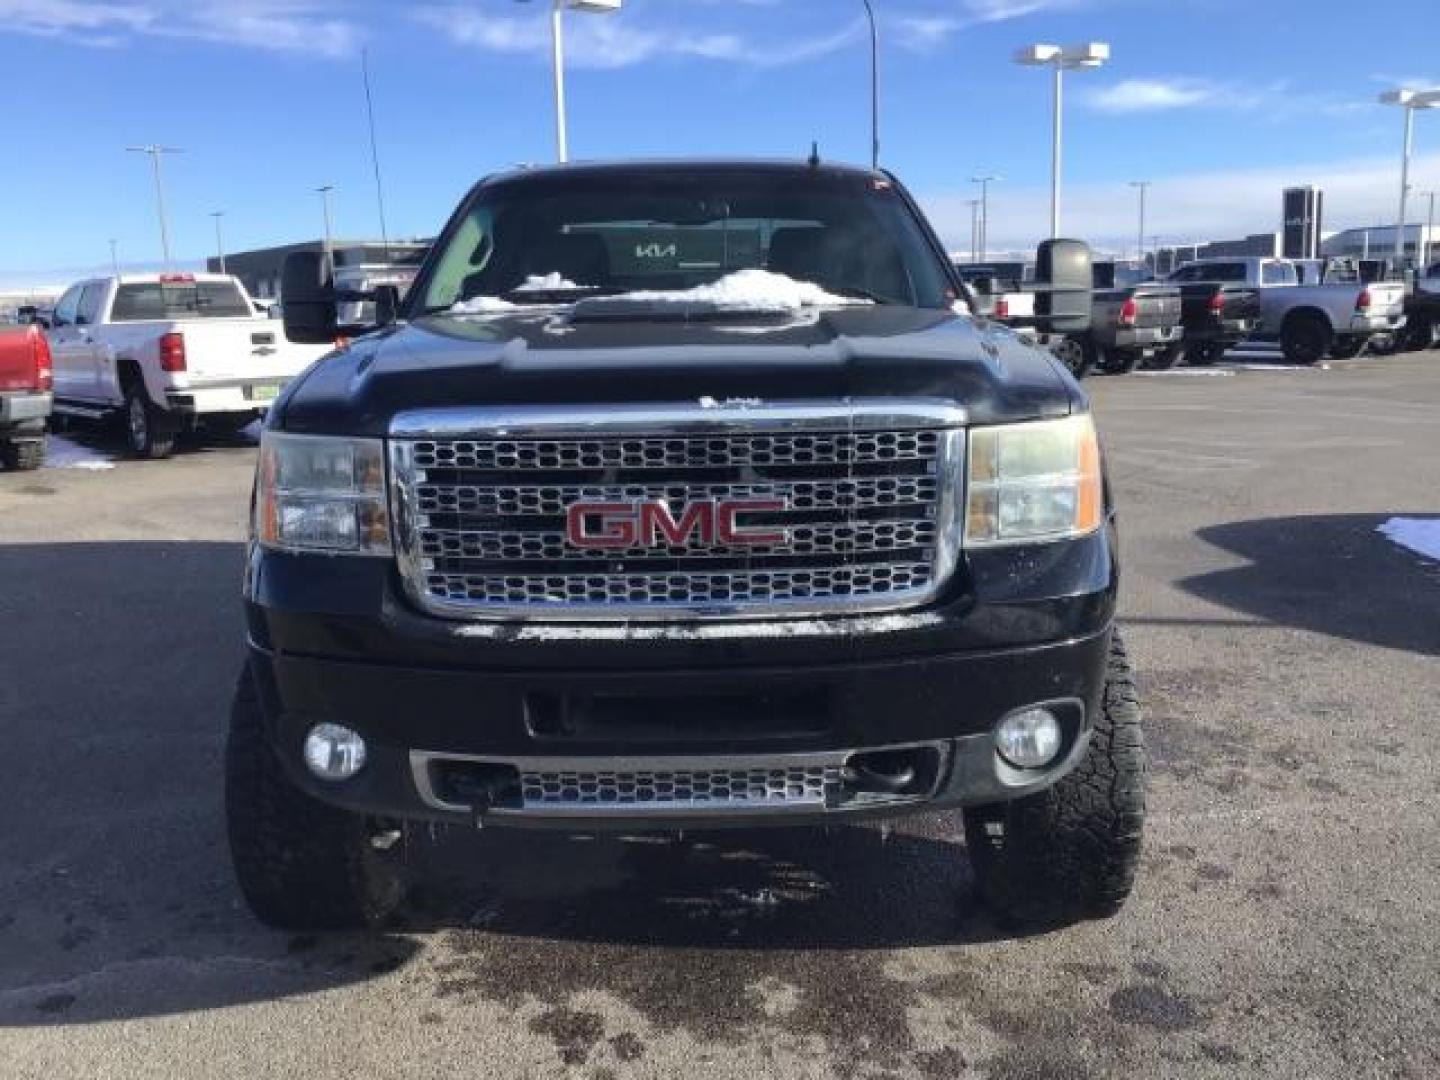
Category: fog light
<point>333,752</point>
<point>1029,739</point>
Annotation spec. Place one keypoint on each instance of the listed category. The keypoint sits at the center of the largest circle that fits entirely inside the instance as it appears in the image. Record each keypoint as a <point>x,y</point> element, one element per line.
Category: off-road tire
<point>1071,852</point>
<point>22,455</point>
<point>301,864</point>
<point>144,425</point>
<point>1117,361</point>
<point>1306,339</point>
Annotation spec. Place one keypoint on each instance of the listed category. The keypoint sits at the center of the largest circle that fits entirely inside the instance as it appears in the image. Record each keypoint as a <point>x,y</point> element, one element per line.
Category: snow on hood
<point>1421,535</point>
<point>751,289</point>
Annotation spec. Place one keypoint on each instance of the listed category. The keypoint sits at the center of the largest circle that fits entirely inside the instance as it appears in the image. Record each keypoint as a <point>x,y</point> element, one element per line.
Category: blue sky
<point>1219,102</point>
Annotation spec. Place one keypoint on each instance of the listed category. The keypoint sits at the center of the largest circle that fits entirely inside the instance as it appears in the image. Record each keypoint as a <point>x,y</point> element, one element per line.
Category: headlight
<point>318,493</point>
<point>1029,483</point>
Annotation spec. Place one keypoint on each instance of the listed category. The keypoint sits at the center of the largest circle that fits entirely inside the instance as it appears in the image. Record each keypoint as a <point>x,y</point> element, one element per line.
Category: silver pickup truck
<point>1334,318</point>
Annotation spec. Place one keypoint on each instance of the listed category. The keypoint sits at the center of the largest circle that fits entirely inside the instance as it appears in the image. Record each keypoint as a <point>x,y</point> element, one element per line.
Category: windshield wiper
<point>853,292</point>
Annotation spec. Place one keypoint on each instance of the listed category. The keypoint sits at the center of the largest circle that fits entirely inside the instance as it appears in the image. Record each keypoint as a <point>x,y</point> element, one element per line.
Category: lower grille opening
<point>887,775</point>
<point>679,718</point>
<point>491,785</point>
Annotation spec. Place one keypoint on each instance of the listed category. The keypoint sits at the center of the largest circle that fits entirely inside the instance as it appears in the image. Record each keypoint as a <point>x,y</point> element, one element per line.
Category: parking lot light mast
<point>1429,231</point>
<point>874,87</point>
<point>1059,59</point>
<point>557,59</point>
<point>156,153</point>
<point>974,230</point>
<point>1410,101</point>
<point>1142,186</point>
<point>324,193</point>
<point>984,181</point>
<point>219,237</point>
<point>115,256</point>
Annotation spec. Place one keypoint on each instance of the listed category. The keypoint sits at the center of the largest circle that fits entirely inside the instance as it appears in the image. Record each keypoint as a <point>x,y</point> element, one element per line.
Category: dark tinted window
<point>667,230</point>
<point>68,306</point>
<point>162,301</point>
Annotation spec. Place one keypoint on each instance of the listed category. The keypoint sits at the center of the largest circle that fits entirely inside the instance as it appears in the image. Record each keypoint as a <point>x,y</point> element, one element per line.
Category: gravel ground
<point>1284,923</point>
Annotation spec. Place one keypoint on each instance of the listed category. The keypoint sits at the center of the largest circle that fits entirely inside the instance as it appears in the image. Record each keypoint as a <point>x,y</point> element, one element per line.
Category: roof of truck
<point>682,165</point>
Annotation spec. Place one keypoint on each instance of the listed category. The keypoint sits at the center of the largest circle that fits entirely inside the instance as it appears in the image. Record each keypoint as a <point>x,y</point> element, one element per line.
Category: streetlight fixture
<point>1141,186</point>
<point>219,238</point>
<point>156,153</point>
<point>1060,59</point>
<point>557,49</point>
<point>1409,100</point>
<point>984,180</point>
<point>324,193</point>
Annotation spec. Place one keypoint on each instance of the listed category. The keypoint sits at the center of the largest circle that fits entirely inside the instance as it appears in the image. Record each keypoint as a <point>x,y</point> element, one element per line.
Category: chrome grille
<point>868,521</point>
<point>775,786</point>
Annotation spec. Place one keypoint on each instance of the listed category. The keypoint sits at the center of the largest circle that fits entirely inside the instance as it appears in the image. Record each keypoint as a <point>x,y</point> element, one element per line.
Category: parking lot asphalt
<point>1284,923</point>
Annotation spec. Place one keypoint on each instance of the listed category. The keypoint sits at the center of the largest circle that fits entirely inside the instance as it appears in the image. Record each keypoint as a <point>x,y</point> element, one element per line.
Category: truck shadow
<point>1329,574</point>
<point>116,896</point>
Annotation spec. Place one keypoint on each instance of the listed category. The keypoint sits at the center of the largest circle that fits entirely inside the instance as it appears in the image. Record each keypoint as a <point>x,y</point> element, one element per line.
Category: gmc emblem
<point>626,525</point>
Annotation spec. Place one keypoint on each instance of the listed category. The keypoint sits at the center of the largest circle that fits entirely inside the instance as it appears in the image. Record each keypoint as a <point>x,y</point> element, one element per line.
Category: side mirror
<point>1064,287</point>
<point>387,304</point>
<point>307,298</point>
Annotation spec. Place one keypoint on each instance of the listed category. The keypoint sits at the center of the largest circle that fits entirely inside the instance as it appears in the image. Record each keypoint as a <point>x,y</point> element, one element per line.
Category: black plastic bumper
<point>333,640</point>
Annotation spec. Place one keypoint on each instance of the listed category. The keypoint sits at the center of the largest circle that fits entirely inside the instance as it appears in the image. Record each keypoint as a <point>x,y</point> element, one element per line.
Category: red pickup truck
<point>26,381</point>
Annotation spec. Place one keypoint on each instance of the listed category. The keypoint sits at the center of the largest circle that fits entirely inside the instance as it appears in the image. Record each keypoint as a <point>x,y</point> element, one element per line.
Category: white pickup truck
<point>1335,318</point>
<point>167,352</point>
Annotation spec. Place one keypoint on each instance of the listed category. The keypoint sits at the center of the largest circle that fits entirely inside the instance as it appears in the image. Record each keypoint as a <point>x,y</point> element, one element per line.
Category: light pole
<point>874,87</point>
<point>1429,231</point>
<point>557,59</point>
<point>1093,54</point>
<point>1141,186</point>
<point>974,230</point>
<point>1409,100</point>
<point>324,193</point>
<point>984,181</point>
<point>219,238</point>
<point>115,256</point>
<point>156,153</point>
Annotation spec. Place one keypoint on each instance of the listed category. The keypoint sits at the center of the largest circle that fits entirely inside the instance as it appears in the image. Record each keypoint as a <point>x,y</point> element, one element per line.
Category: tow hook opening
<point>902,773</point>
<point>480,786</point>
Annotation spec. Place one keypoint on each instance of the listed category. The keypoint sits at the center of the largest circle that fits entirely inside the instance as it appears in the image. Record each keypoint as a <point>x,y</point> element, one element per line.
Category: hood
<point>542,357</point>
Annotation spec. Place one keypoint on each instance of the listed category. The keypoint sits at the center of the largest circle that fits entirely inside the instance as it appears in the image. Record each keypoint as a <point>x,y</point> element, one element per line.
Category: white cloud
<point>1149,95</point>
<point>615,42</point>
<point>303,26</point>
<point>925,30</point>
<point>1186,209</point>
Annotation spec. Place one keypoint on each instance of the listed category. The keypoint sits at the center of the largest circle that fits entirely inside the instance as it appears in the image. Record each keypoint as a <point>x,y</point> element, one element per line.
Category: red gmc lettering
<point>733,533</point>
<point>617,525</point>
<point>657,521</point>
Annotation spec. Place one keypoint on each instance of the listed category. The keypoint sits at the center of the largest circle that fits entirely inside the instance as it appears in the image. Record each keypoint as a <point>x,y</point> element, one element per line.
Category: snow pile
<point>751,289</point>
<point>548,283</point>
<point>482,305</point>
<point>64,454</point>
<point>1421,535</point>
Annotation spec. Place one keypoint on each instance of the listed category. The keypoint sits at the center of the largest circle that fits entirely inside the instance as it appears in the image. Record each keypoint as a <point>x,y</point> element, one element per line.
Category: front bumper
<point>334,640</point>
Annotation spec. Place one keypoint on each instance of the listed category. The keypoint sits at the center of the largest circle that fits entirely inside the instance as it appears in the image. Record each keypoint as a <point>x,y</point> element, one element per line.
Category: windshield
<point>563,239</point>
<point>155,301</point>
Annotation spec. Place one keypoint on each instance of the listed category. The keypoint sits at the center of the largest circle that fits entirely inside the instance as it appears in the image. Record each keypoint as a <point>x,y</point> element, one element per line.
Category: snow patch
<point>1420,535</point>
<point>751,289</point>
<point>64,454</point>
<point>1182,373</point>
<point>482,305</point>
<point>548,283</point>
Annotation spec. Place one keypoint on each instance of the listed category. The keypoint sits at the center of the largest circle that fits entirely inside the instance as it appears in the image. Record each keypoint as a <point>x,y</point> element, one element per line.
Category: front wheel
<point>1070,852</point>
<point>302,864</point>
<point>144,431</point>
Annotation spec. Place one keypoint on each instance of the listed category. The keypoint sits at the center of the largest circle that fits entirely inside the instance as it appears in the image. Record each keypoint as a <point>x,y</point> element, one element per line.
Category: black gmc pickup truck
<point>680,496</point>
